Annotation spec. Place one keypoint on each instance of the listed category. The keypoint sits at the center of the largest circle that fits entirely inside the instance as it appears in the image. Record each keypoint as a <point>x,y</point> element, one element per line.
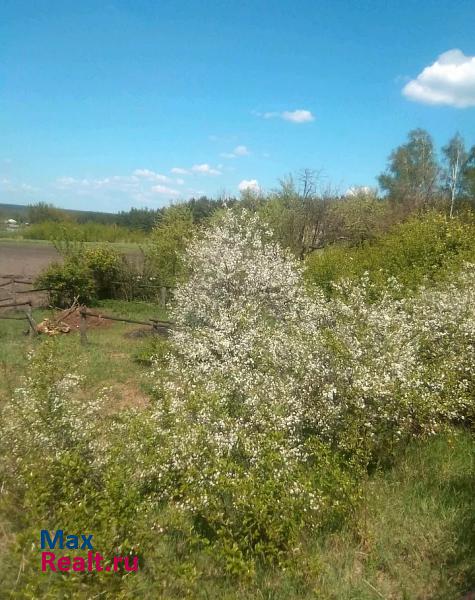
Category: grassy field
<point>108,360</point>
<point>18,241</point>
<point>413,537</point>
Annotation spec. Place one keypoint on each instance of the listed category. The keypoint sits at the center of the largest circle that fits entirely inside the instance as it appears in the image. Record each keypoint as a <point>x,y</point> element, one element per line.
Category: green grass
<point>120,246</point>
<point>412,538</point>
<point>107,361</point>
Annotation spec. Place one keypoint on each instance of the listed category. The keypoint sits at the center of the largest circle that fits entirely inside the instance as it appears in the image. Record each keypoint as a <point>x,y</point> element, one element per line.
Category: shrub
<point>106,266</point>
<point>167,244</point>
<point>421,251</point>
<point>233,411</point>
<point>86,274</point>
<point>50,441</point>
<point>69,281</point>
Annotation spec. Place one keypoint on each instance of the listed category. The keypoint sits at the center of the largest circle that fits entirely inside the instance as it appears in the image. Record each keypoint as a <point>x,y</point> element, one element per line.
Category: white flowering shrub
<point>264,380</point>
<point>267,410</point>
<point>49,438</point>
<point>239,395</point>
<point>402,367</point>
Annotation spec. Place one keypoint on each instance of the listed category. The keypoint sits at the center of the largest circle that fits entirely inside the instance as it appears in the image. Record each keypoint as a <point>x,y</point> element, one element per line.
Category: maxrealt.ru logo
<point>93,561</point>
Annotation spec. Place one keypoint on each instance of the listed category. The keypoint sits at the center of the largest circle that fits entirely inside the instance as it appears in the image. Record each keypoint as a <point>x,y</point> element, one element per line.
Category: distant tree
<point>411,177</point>
<point>168,241</point>
<point>202,208</point>
<point>40,212</point>
<point>469,176</point>
<point>296,212</point>
<point>356,218</point>
<point>457,160</point>
<point>144,219</point>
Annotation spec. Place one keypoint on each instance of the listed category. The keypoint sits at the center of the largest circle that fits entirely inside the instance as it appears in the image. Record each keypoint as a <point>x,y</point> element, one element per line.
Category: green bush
<point>86,274</point>
<point>421,251</point>
<point>67,282</point>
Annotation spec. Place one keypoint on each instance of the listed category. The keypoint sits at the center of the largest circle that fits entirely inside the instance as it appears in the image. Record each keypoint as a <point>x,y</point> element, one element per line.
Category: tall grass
<point>81,232</point>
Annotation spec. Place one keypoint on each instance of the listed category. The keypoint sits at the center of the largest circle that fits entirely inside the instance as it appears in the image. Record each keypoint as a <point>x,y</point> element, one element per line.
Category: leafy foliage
<point>85,274</point>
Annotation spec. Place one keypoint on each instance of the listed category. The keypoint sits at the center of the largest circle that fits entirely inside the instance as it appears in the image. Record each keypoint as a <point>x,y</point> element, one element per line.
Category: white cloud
<point>241,151</point>
<point>162,189</point>
<point>16,186</point>
<point>249,184</point>
<point>450,80</point>
<point>298,116</point>
<point>357,190</point>
<point>179,171</point>
<point>179,181</point>
<point>205,169</point>
<point>147,174</point>
<point>294,116</point>
<point>238,151</point>
<point>124,183</point>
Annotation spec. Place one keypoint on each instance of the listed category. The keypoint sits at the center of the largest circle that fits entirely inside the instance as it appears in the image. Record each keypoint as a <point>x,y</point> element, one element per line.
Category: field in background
<point>28,258</point>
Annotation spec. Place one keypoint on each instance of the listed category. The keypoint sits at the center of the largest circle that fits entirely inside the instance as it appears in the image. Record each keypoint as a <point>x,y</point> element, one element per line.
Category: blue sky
<point>108,105</point>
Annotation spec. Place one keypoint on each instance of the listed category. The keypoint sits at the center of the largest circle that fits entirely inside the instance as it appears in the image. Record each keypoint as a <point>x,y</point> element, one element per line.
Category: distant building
<point>11,224</point>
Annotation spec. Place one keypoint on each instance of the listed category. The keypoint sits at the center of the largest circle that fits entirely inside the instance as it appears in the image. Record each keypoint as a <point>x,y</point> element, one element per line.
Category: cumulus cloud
<point>241,151</point>
<point>294,116</point>
<point>249,185</point>
<point>238,151</point>
<point>142,185</point>
<point>450,80</point>
<point>147,174</point>
<point>357,190</point>
<point>114,182</point>
<point>179,171</point>
<point>8,185</point>
<point>164,190</point>
<point>205,169</point>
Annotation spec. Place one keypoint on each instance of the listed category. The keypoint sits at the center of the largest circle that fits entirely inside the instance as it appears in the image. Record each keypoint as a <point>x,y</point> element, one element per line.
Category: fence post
<point>163,296</point>
<point>83,326</point>
<point>32,331</point>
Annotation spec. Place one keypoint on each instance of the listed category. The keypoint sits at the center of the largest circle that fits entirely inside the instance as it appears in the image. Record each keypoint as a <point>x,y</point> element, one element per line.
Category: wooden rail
<point>156,324</point>
<point>32,331</point>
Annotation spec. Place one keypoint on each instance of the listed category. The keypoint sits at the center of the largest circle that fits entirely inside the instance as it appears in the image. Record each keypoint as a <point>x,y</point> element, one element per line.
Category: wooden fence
<point>164,291</point>
<point>158,325</point>
<point>32,331</point>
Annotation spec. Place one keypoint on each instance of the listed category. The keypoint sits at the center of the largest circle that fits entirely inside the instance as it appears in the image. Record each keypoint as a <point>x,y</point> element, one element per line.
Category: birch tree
<point>456,159</point>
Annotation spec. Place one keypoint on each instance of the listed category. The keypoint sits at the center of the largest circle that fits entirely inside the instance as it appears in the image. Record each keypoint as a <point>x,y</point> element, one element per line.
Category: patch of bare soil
<point>127,395</point>
<point>73,319</point>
